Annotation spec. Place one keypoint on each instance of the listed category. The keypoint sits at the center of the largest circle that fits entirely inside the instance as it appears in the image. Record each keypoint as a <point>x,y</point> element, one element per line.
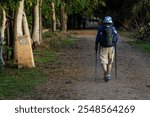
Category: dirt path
<point>74,77</point>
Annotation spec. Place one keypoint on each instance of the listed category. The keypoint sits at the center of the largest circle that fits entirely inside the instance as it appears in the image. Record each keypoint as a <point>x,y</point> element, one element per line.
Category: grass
<point>17,82</point>
<point>66,42</point>
<point>44,56</point>
<point>50,55</point>
<point>144,46</point>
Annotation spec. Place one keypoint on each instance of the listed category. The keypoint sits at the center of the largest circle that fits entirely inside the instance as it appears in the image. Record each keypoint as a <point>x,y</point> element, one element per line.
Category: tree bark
<point>10,33</point>
<point>8,38</point>
<point>40,20</point>
<point>53,17</point>
<point>27,32</point>
<point>25,26</point>
<point>36,25</point>
<point>18,26</point>
<point>2,35</point>
<point>63,18</point>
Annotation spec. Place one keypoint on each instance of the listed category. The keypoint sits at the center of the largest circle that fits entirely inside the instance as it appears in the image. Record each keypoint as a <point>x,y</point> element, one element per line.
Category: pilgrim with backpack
<point>106,40</point>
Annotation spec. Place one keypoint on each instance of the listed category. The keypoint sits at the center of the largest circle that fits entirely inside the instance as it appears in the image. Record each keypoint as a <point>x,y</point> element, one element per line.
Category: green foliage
<point>28,8</point>
<point>129,34</point>
<point>129,12</point>
<point>9,4</point>
<point>17,82</point>
<point>6,49</point>
<point>58,2</point>
<point>46,13</point>
<point>29,3</point>
<point>77,6</point>
<point>97,3</point>
<point>82,6</point>
<point>141,8</point>
<point>69,41</point>
<point>143,45</point>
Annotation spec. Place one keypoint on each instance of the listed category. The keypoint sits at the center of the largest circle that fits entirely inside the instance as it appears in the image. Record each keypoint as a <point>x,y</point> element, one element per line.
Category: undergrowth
<point>15,83</point>
<point>132,40</point>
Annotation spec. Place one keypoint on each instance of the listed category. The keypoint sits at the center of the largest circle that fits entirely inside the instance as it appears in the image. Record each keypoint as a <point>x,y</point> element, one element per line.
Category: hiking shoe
<point>107,78</point>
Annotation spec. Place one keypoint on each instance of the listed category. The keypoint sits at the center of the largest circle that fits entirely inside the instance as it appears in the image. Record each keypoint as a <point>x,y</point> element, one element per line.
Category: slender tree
<point>53,16</point>
<point>40,20</point>
<point>18,26</point>
<point>36,25</point>
<point>63,17</point>
<point>25,26</point>
<point>2,32</point>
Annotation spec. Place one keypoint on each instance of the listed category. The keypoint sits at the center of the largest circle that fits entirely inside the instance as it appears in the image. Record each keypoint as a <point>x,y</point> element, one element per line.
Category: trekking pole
<point>95,75</point>
<point>115,60</point>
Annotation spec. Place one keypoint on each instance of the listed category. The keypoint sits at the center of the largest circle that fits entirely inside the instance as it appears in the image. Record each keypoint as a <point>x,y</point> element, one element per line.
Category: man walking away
<point>107,36</point>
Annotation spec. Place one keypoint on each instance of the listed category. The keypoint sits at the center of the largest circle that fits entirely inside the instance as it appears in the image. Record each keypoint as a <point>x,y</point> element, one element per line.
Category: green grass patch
<point>66,42</point>
<point>144,46</point>
<point>17,82</point>
<point>59,39</point>
<point>43,56</point>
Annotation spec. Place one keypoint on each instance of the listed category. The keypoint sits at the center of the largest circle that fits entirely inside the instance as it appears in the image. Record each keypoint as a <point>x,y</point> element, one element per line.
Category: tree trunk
<point>8,38</point>
<point>25,26</point>
<point>10,34</point>
<point>63,18</point>
<point>2,35</point>
<point>65,21</point>
<point>53,17</point>
<point>18,26</point>
<point>27,32</point>
<point>36,25</point>
<point>40,20</point>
